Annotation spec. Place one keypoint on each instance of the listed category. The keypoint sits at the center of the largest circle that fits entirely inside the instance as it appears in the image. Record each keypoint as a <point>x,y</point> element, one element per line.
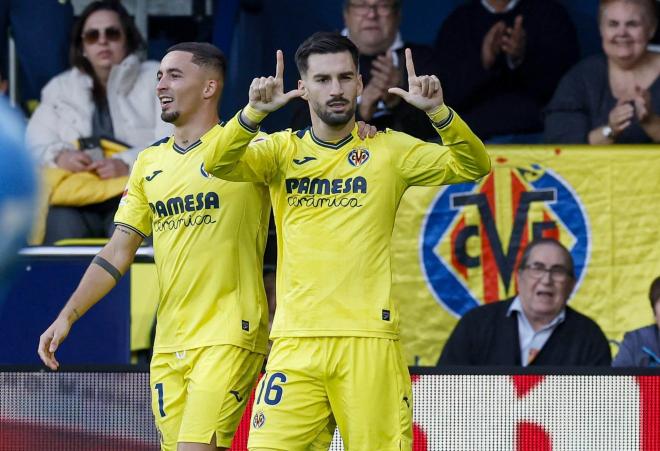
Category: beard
<point>335,119</point>
<point>169,116</point>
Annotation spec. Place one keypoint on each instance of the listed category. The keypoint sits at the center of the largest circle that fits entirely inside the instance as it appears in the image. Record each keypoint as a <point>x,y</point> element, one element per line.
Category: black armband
<point>110,269</point>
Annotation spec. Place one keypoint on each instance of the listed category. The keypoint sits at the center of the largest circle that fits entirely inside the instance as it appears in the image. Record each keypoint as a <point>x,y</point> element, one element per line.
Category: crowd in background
<point>511,68</point>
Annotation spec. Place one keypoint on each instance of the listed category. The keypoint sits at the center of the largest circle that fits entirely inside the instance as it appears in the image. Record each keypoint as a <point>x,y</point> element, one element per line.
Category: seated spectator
<point>500,61</point>
<point>641,347</point>
<point>612,98</point>
<point>109,96</point>
<point>534,328</point>
<point>373,25</point>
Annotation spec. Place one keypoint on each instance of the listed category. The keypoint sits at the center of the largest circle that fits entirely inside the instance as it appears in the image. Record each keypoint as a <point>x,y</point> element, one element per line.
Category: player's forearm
<point>231,144</point>
<point>468,150</point>
<point>100,277</point>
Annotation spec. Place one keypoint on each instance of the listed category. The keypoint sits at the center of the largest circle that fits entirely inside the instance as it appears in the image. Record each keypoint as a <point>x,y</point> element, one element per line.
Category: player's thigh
<point>219,385</point>
<point>234,408</point>
<point>168,397</point>
<point>371,394</point>
<point>291,409</point>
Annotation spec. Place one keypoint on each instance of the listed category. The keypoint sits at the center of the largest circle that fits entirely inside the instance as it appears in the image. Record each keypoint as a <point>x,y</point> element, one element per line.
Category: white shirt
<point>531,341</point>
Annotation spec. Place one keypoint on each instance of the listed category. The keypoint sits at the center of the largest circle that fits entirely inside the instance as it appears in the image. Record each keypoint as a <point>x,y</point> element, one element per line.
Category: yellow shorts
<point>362,381</point>
<point>200,392</point>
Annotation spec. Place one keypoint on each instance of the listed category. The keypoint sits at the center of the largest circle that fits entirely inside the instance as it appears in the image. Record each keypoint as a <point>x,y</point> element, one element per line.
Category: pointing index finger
<point>279,66</point>
<point>409,64</point>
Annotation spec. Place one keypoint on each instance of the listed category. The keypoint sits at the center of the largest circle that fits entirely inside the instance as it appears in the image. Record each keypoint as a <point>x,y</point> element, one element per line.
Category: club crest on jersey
<point>258,420</point>
<point>204,173</point>
<point>358,157</point>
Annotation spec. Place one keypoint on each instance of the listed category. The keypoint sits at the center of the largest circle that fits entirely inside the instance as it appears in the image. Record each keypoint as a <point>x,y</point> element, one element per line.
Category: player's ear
<point>210,88</point>
<point>301,85</point>
<point>360,85</point>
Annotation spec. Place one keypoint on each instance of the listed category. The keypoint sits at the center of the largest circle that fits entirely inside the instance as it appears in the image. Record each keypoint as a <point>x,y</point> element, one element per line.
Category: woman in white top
<point>108,93</point>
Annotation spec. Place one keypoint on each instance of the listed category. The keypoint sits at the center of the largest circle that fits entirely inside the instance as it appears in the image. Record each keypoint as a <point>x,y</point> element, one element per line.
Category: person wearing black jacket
<point>501,60</point>
<point>534,328</point>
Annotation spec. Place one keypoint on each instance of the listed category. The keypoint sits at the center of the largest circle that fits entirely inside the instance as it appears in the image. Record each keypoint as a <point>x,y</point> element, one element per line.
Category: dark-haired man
<point>534,328</point>
<point>209,237</point>
<point>336,350</point>
<point>373,26</point>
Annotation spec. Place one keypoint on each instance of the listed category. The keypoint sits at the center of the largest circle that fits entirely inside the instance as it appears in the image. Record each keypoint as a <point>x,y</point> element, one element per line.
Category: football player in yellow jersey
<point>336,350</point>
<point>209,237</point>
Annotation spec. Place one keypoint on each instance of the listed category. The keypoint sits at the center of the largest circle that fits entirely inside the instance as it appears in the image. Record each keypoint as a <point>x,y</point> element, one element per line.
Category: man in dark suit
<point>534,328</point>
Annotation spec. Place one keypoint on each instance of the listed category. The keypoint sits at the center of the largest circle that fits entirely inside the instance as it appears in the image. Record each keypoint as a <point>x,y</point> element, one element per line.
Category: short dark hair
<point>324,42</point>
<point>654,292</point>
<point>539,241</point>
<point>134,40</point>
<point>203,54</point>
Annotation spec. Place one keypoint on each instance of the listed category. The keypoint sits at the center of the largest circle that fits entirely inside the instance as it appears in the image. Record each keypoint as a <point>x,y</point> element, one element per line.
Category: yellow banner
<point>458,246</point>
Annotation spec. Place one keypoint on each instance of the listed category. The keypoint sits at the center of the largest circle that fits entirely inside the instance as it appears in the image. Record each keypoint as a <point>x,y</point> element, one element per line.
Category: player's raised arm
<point>267,94</point>
<point>463,156</point>
<point>101,276</point>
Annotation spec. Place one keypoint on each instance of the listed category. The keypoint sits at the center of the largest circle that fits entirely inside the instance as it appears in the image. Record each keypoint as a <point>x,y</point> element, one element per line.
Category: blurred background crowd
<point>83,74</point>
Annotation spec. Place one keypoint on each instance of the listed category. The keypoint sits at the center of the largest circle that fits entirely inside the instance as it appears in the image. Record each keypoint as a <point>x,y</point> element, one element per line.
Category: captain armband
<point>109,267</point>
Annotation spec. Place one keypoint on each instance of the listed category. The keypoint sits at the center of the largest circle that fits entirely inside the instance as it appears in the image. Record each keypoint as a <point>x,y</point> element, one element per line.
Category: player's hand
<point>267,93</point>
<point>621,116</point>
<point>109,168</point>
<point>51,339</point>
<point>492,44</point>
<point>366,130</point>
<point>514,40</point>
<point>424,91</point>
<point>73,160</point>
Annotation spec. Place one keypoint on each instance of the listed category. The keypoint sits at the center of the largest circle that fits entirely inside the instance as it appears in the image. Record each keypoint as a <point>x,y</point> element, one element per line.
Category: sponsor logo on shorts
<point>258,420</point>
<point>237,395</point>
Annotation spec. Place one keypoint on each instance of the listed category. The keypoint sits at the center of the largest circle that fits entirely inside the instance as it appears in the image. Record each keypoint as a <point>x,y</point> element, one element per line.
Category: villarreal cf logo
<point>474,233</point>
<point>358,157</point>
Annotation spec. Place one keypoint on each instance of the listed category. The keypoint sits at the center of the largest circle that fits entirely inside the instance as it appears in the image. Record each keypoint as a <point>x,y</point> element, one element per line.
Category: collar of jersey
<point>330,145</point>
<point>203,138</point>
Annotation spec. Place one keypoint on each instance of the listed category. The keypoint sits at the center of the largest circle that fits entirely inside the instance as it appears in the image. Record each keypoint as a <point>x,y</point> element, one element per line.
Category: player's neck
<point>188,133</point>
<point>331,133</point>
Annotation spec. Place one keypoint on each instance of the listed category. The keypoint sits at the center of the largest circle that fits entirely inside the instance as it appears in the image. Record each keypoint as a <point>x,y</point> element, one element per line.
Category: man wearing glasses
<point>373,26</point>
<point>534,328</point>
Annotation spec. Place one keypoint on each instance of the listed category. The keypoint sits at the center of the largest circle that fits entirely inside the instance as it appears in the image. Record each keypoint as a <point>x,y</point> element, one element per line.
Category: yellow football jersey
<point>334,207</point>
<point>209,237</point>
